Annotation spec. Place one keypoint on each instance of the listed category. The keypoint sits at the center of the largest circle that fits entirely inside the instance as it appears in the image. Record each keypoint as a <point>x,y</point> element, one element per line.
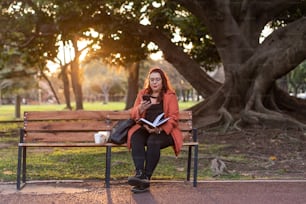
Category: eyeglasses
<point>155,79</point>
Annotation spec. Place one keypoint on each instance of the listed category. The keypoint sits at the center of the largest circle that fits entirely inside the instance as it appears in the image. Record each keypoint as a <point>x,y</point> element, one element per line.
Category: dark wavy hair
<point>166,85</point>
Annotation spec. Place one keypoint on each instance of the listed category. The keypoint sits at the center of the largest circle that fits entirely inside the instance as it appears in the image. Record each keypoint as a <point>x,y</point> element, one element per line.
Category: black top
<point>154,111</point>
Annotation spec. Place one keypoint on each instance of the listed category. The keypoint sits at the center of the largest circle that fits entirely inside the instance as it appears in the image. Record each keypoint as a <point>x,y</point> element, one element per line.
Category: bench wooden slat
<point>50,137</point>
<point>84,144</point>
<point>88,115</point>
<point>185,125</point>
<point>89,144</point>
<point>46,126</point>
<point>190,143</point>
<point>78,115</point>
<point>185,115</point>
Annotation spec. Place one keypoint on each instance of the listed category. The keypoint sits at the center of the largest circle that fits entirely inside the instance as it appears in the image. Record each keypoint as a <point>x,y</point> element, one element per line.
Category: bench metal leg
<point>196,152</point>
<point>189,163</point>
<point>195,167</point>
<point>108,164</point>
<point>24,164</point>
<point>21,161</point>
<point>19,167</point>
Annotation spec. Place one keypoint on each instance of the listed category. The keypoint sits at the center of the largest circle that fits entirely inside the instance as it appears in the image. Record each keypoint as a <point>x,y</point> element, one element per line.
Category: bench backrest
<point>80,126</point>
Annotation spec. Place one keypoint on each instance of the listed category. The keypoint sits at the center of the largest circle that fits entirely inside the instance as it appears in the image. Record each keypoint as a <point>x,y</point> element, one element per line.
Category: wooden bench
<point>76,129</point>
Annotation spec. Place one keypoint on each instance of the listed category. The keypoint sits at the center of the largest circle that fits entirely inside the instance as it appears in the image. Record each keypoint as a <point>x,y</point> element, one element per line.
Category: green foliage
<point>173,18</point>
<point>291,14</point>
<point>36,27</point>
<point>297,78</point>
<point>25,48</point>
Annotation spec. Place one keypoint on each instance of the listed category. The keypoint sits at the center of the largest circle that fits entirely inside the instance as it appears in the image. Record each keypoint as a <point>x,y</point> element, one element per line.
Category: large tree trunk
<point>249,94</point>
<point>65,79</point>
<point>133,71</point>
<point>75,77</point>
<point>66,85</point>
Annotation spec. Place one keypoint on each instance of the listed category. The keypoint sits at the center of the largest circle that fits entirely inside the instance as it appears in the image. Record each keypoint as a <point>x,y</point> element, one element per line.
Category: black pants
<point>146,149</point>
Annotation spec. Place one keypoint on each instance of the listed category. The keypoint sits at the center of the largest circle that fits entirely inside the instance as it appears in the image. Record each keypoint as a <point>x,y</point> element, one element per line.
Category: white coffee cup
<point>101,137</point>
<point>97,137</point>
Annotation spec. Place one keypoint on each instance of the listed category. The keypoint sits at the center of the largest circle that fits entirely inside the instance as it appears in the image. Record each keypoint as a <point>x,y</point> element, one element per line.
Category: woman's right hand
<point>144,105</point>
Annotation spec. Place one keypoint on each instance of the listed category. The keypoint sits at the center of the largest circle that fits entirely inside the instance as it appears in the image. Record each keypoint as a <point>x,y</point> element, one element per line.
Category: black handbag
<point>120,131</point>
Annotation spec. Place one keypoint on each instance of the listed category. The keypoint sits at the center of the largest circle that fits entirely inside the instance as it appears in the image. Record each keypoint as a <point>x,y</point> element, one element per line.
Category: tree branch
<point>232,45</point>
<point>254,15</point>
<point>203,83</point>
<point>282,51</point>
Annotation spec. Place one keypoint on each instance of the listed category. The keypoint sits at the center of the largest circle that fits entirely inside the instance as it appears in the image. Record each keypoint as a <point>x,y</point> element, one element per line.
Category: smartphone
<point>146,98</point>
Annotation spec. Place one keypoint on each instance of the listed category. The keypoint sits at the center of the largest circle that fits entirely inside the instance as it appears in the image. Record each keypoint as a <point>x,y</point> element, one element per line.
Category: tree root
<point>217,113</point>
<point>256,112</point>
<point>275,117</point>
<point>223,122</point>
<point>227,118</point>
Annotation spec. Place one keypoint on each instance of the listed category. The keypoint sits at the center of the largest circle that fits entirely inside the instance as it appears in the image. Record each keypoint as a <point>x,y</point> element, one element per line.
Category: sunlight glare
<point>52,66</point>
<point>265,33</point>
<point>157,56</point>
<point>66,54</point>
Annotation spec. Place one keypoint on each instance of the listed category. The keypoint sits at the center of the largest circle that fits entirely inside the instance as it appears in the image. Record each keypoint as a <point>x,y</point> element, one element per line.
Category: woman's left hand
<point>152,130</point>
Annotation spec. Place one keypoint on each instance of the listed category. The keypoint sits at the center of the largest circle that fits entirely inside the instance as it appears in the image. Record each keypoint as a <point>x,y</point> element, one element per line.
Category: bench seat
<point>76,129</point>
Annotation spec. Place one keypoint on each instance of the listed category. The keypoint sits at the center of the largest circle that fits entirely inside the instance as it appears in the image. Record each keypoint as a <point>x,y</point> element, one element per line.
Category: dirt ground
<point>267,153</point>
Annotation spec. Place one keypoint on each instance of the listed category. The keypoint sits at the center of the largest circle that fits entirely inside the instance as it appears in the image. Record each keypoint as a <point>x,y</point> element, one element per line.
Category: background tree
<point>25,43</point>
<point>35,28</point>
<point>103,80</point>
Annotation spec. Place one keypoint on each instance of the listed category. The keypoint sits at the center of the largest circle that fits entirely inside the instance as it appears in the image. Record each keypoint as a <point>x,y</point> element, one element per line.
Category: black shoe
<point>138,189</point>
<point>135,180</point>
<point>140,179</point>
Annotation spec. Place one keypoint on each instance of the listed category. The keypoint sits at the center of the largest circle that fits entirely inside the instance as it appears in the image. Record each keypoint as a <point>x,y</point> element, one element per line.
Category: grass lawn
<point>7,112</point>
<point>88,164</point>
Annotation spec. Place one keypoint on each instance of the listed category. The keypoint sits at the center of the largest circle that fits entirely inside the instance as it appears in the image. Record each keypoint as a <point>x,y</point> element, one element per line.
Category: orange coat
<point>171,109</point>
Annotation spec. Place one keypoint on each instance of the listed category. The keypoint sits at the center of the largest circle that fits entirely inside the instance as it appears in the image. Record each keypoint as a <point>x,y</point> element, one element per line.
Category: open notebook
<point>159,120</point>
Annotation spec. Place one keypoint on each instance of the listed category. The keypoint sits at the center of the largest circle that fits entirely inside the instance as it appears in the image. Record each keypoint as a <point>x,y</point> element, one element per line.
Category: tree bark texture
<point>249,93</point>
<point>75,77</point>
<point>133,78</point>
<point>66,85</point>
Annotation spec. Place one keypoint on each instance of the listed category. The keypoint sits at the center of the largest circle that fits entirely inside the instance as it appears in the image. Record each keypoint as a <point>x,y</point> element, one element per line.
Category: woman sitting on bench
<point>146,141</point>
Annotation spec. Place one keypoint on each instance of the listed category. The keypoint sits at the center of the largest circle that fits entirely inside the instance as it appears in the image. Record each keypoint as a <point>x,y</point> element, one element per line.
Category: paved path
<point>214,192</point>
